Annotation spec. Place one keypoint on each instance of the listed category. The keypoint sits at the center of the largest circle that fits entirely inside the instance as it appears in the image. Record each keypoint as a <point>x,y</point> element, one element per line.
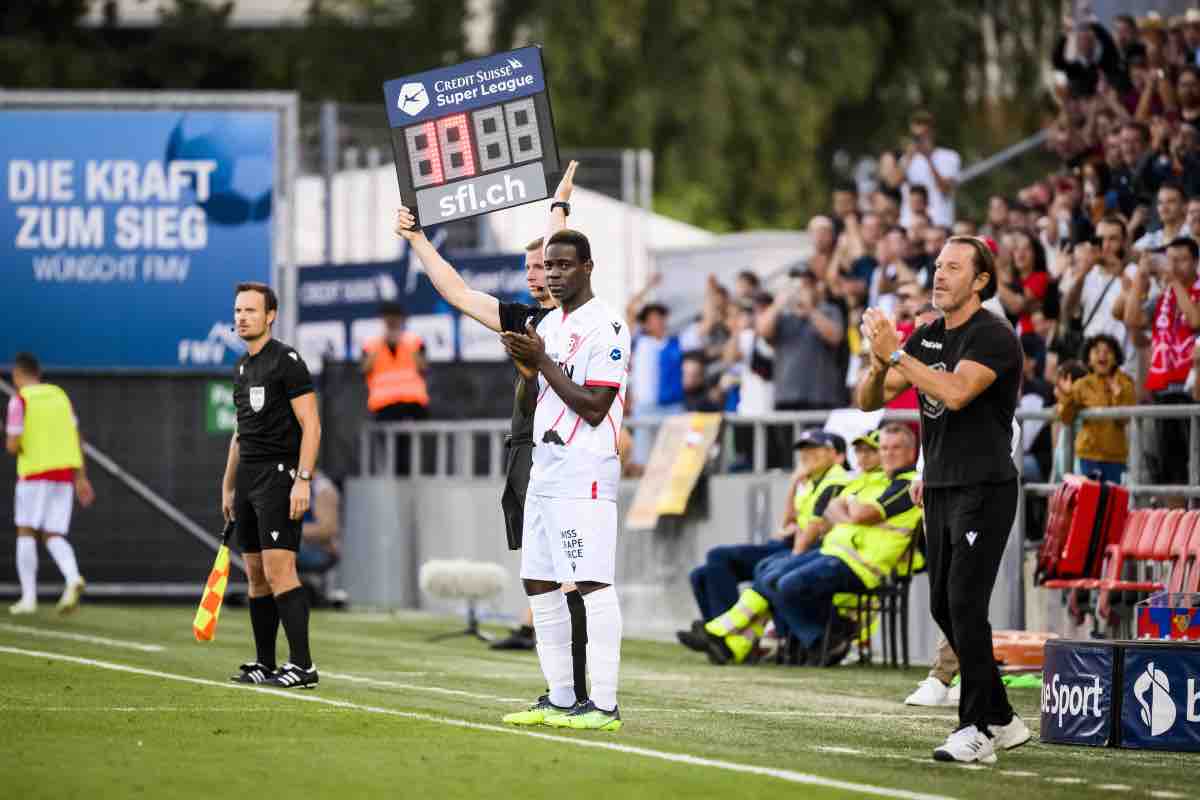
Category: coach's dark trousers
<point>966,529</point>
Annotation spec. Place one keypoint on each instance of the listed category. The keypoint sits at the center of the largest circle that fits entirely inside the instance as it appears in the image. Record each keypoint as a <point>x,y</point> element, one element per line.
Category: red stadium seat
<point>1154,546</point>
<point>1185,536</point>
<point>1191,581</point>
<point>1114,555</point>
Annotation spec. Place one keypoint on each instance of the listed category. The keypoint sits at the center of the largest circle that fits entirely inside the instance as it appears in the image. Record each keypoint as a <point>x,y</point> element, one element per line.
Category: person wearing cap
<point>967,370</point>
<point>869,528</point>
<point>819,477</point>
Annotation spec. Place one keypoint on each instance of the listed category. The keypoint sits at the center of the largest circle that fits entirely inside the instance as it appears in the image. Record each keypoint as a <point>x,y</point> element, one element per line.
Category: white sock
<point>27,563</point>
<point>552,624</point>
<point>604,645</point>
<point>64,556</point>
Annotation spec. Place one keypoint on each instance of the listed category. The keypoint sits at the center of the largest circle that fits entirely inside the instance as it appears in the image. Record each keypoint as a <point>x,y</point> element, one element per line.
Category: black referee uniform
<point>518,465</point>
<point>970,500</point>
<point>269,435</point>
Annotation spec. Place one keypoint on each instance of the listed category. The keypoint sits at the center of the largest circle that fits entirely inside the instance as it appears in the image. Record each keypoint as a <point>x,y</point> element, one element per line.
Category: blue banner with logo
<point>122,233</point>
<point>339,307</point>
<point>1160,701</point>
<point>1077,693</point>
<point>472,84</point>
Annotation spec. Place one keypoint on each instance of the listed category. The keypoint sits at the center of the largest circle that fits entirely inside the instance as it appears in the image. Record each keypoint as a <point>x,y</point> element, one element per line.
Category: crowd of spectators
<point>1097,266</point>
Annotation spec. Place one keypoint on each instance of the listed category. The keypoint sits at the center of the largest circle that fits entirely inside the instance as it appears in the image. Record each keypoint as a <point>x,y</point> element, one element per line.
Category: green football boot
<point>537,714</point>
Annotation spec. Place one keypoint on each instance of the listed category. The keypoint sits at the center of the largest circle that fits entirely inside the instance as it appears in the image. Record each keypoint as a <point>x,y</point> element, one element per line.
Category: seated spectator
<point>869,533</point>
<point>1100,444</point>
<point>1171,323</point>
<point>320,537</point>
<point>818,478</point>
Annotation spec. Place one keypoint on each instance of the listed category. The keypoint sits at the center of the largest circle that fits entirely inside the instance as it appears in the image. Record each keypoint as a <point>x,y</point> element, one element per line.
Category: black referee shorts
<point>261,508</point>
<point>516,471</point>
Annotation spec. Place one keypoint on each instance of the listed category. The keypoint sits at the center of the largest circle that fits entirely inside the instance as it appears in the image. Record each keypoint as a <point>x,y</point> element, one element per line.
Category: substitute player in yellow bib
<point>41,431</point>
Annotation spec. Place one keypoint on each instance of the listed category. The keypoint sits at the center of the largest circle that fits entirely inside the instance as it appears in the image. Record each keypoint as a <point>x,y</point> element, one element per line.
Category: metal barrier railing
<point>475,448</point>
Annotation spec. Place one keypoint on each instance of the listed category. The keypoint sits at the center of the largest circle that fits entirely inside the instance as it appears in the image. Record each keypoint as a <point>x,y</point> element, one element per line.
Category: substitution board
<point>473,138</point>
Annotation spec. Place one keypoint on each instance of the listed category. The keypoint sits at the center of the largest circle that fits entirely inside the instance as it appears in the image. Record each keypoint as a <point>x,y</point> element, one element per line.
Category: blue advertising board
<point>473,138</point>
<point>339,307</point>
<point>123,233</point>
<point>1160,701</point>
<point>1077,693</point>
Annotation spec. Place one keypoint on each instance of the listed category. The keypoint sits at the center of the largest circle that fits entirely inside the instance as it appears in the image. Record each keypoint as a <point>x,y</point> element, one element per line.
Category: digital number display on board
<point>473,138</point>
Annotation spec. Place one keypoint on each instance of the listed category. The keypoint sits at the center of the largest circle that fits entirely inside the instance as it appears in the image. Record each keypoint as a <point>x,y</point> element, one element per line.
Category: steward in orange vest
<point>394,365</point>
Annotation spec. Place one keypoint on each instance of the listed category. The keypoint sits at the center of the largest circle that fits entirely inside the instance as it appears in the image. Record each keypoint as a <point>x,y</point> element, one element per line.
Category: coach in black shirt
<point>967,370</point>
<point>268,485</point>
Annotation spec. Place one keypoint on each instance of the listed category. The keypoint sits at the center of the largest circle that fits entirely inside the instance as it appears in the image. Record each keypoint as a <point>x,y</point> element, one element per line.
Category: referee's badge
<point>258,397</point>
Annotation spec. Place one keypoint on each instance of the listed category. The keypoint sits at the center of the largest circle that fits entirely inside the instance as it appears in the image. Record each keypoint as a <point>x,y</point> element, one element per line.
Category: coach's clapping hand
<point>881,332</point>
<point>406,225</point>
<point>299,500</point>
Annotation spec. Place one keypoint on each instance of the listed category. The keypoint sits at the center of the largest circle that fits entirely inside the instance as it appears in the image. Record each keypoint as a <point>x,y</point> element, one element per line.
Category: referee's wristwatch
<point>894,358</point>
<point>563,204</point>
<point>304,475</point>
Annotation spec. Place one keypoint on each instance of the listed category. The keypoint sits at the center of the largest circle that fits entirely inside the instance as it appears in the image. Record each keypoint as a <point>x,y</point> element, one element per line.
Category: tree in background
<point>746,104</point>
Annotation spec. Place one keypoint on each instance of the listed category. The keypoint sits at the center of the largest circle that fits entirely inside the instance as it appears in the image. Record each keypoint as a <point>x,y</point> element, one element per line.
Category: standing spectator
<point>806,333</point>
<point>1134,178</point>
<point>1125,32</point>
<point>655,368</point>
<point>844,202</point>
<point>1023,282</point>
<point>1172,321</point>
<point>1091,287</point>
<point>1082,54</point>
<point>886,202</point>
<point>1191,36</point>
<point>1187,91</point>
<point>1172,212</point>
<point>746,286</point>
<point>935,168</point>
<point>1100,444</point>
<point>708,334</point>
<point>755,362</point>
<point>1192,220</point>
<point>699,393</point>
<point>918,203</point>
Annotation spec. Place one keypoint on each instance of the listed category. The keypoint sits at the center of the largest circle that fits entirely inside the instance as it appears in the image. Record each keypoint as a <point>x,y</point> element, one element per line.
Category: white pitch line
<point>412,687</point>
<point>1067,780</point>
<point>1114,787</point>
<point>81,637</point>
<point>787,775</point>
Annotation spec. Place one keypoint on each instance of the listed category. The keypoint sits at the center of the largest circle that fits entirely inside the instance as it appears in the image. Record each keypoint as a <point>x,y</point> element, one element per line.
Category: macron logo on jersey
<point>931,345</point>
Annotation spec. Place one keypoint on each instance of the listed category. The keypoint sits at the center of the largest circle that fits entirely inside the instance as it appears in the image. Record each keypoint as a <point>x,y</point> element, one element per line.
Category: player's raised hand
<point>567,184</point>
<point>406,225</point>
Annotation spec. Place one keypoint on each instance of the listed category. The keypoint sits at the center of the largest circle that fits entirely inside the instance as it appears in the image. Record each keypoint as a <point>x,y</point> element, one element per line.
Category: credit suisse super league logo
<point>412,99</point>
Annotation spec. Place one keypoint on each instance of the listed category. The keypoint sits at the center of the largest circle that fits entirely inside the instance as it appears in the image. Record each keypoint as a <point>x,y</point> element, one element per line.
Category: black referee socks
<point>293,613</point>
<point>264,619</point>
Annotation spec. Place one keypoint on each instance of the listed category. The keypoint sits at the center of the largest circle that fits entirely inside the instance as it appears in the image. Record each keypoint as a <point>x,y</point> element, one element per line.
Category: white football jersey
<point>591,345</point>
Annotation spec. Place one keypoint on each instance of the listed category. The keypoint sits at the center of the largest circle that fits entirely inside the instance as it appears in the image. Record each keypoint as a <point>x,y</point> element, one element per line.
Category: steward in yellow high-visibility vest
<point>873,522</point>
<point>819,478</point>
<point>41,432</point>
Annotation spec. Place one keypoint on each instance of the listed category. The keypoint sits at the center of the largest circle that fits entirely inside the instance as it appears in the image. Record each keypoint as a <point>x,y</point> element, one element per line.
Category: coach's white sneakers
<point>930,692</point>
<point>23,607</point>
<point>965,746</point>
<point>70,596</point>
<point>1012,735</point>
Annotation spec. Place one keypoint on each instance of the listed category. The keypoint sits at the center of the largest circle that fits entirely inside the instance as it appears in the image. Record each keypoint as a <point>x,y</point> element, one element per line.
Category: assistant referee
<point>268,486</point>
<point>966,367</point>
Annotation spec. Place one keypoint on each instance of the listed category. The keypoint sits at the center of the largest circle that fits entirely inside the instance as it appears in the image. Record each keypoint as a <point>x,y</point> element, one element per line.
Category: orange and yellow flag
<point>204,626</point>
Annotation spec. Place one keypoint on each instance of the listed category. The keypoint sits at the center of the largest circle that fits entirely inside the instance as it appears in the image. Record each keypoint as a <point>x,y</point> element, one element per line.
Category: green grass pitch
<point>121,702</point>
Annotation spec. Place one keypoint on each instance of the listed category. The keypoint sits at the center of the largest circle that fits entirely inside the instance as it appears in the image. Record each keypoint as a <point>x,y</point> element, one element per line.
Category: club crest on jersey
<point>930,406</point>
<point>573,344</point>
<point>258,397</point>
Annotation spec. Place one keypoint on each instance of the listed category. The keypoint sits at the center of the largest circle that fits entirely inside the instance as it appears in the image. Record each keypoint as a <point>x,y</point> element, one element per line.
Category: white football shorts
<point>45,505</point>
<point>569,539</point>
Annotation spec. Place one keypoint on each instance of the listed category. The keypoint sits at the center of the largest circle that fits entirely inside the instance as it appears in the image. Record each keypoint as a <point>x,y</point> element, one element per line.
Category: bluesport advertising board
<point>1160,704</point>
<point>1077,694</point>
<point>123,233</point>
<point>473,138</point>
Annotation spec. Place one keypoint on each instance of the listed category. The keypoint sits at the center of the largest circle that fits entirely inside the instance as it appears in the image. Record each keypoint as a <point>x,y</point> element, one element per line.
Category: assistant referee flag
<point>204,626</point>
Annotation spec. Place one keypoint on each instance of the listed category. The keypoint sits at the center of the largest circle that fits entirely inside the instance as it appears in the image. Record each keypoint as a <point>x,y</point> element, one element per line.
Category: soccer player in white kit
<point>581,353</point>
